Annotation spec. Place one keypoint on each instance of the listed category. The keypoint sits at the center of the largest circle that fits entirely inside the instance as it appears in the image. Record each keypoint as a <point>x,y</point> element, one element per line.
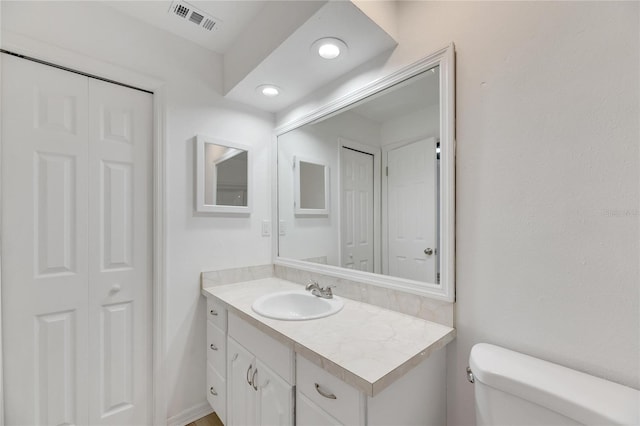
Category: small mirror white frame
<point>311,187</point>
<point>206,188</point>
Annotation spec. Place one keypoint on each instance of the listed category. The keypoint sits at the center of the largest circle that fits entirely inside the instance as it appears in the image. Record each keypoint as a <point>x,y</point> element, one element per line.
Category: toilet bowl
<point>516,389</point>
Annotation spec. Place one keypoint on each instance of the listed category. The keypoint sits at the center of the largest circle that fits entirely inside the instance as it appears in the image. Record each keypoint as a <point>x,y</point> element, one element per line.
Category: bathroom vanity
<point>361,366</point>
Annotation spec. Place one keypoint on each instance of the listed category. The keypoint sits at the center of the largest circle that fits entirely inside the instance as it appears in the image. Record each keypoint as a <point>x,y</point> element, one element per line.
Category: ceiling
<point>269,42</point>
<point>234,18</point>
<point>417,93</point>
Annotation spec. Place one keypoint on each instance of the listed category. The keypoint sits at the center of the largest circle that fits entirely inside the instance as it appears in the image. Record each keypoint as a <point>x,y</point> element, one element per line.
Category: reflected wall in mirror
<point>223,171</point>
<point>389,213</point>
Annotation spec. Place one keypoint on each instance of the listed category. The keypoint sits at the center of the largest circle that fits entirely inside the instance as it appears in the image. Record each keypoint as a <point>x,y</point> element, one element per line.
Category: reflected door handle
<point>428,251</point>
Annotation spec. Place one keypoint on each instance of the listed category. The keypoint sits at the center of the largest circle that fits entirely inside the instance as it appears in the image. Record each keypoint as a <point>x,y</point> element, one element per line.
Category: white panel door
<point>356,236</point>
<point>44,244</point>
<point>411,209</point>
<point>75,246</point>
<point>119,265</point>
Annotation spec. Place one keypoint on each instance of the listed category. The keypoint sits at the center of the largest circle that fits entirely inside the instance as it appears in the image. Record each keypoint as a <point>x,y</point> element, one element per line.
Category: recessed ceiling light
<point>329,47</point>
<point>268,90</point>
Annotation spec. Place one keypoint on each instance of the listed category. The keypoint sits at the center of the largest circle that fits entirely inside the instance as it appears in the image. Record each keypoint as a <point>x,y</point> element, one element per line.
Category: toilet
<point>515,389</point>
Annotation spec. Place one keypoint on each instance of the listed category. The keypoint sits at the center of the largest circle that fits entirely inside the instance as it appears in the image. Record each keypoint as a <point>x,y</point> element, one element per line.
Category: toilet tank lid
<point>579,396</point>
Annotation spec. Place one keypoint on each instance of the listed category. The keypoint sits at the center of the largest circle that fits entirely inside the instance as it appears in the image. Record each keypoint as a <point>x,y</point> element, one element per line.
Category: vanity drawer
<point>217,313</point>
<point>216,393</point>
<point>334,396</point>
<point>216,347</point>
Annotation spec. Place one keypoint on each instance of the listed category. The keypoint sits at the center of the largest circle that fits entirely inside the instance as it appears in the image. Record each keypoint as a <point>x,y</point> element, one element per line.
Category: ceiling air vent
<point>186,12</point>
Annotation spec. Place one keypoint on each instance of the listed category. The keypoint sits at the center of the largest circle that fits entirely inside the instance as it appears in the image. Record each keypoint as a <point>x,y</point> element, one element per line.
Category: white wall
<point>193,105</point>
<point>547,145</point>
<point>548,186</point>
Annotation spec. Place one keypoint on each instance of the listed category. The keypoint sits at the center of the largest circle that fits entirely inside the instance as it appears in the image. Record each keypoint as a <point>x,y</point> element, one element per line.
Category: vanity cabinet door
<point>274,398</point>
<point>309,414</point>
<point>240,393</point>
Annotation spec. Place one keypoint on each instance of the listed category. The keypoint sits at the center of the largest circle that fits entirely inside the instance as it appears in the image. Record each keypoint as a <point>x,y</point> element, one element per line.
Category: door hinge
<point>438,278</point>
<point>387,170</point>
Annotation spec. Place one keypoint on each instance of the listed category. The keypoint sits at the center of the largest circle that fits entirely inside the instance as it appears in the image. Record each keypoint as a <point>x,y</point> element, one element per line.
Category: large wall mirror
<point>223,176</point>
<point>388,153</point>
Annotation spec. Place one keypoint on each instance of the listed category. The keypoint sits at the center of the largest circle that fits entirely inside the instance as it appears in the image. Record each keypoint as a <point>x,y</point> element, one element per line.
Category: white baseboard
<point>190,415</point>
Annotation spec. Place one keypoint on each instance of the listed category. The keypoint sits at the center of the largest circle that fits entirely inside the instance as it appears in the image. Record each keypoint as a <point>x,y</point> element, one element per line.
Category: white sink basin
<point>296,305</point>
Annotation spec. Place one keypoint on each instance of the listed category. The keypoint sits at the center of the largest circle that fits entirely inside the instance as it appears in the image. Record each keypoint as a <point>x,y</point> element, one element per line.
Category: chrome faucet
<point>316,290</point>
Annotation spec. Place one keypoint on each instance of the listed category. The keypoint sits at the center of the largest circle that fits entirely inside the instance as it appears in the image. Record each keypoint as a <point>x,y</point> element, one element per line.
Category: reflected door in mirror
<point>357,248</point>
<point>411,198</point>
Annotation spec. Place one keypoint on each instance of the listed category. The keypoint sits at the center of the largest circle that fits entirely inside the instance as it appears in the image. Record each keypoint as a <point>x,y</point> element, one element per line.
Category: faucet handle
<point>326,291</point>
<point>311,285</point>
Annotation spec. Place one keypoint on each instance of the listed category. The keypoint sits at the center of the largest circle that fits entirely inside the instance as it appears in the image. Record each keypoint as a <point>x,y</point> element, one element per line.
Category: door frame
<point>377,224</point>
<point>385,194</point>
<point>22,45</point>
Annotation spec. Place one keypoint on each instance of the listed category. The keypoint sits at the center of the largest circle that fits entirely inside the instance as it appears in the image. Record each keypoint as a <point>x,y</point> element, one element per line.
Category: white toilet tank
<point>515,389</point>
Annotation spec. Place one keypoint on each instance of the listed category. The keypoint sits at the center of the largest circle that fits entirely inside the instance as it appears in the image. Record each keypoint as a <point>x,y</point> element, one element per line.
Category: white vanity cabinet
<point>260,375</point>
<point>344,370</point>
<point>417,398</point>
<point>217,357</point>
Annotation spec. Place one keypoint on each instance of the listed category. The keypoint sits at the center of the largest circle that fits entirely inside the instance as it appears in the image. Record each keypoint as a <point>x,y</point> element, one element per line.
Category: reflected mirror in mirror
<point>383,195</point>
<point>311,187</point>
<point>223,172</point>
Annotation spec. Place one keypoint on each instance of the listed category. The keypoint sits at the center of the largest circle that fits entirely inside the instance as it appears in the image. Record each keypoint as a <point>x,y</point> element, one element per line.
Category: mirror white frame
<point>200,196</point>
<point>445,290</point>
<point>299,210</point>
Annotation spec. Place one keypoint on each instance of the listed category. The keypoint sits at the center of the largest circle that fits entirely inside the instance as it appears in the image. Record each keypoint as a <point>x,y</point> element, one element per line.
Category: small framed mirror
<point>311,186</point>
<point>223,176</point>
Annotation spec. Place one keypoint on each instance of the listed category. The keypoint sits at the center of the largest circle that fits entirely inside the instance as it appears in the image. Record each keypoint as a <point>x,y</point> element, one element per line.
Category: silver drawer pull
<point>253,380</point>
<point>213,347</point>
<point>249,372</point>
<point>213,391</point>
<point>213,312</point>
<point>324,393</point>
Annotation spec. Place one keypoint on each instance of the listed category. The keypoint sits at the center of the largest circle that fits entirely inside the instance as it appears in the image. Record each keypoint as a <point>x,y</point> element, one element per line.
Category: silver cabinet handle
<point>213,312</point>
<point>213,347</point>
<point>253,380</point>
<point>249,372</point>
<point>324,393</point>
<point>213,391</point>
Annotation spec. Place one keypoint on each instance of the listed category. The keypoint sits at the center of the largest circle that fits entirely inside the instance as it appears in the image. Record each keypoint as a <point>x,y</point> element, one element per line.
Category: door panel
<point>44,244</point>
<point>116,358</point>
<point>55,361</point>
<point>411,207</point>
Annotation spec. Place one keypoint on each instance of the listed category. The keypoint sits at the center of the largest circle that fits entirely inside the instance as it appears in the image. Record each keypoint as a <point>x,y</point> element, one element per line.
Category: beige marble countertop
<point>364,345</point>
